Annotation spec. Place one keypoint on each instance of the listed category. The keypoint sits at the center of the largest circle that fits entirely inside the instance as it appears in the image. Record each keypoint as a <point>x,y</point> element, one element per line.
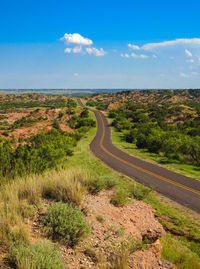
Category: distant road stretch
<point>180,188</point>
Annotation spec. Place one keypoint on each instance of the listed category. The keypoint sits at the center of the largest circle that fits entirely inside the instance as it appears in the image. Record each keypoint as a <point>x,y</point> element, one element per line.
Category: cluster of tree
<point>83,121</point>
<point>148,126</point>
<point>53,103</point>
<point>43,151</point>
<point>24,122</point>
<point>71,103</point>
<point>100,105</point>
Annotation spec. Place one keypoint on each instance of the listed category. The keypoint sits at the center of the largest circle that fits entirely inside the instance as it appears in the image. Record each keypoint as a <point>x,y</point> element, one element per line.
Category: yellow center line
<point>140,168</point>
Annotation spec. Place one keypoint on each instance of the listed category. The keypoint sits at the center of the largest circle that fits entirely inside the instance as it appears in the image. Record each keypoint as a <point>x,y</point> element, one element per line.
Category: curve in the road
<point>178,187</point>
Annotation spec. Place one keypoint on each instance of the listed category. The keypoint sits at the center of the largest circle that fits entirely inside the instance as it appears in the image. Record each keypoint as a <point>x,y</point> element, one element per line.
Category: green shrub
<point>96,184</point>
<point>174,251</point>
<point>100,218</point>
<point>139,192</point>
<point>119,198</point>
<point>65,223</point>
<point>35,256</point>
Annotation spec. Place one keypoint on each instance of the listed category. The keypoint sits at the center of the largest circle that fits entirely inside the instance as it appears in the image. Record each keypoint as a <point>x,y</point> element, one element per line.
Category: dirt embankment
<point>110,226</point>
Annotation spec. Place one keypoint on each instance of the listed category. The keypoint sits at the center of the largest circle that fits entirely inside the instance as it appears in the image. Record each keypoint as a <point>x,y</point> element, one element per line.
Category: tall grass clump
<point>66,223</point>
<point>22,198</point>
<point>66,185</point>
<point>120,197</point>
<point>139,191</point>
<point>174,251</point>
<point>35,256</point>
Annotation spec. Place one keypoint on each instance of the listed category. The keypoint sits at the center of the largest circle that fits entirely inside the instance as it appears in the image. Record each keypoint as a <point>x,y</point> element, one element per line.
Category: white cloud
<point>193,42</point>
<point>76,39</point>
<point>77,42</point>
<point>126,55</point>
<point>188,53</point>
<point>95,51</point>
<point>68,50</point>
<point>191,75</point>
<point>76,74</point>
<point>190,61</point>
<point>142,56</point>
<point>155,56</point>
<point>77,49</point>
<point>183,75</point>
<point>134,47</point>
<point>195,73</point>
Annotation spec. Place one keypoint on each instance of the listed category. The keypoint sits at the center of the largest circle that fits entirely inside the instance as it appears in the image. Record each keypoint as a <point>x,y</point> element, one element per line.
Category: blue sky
<point>99,44</point>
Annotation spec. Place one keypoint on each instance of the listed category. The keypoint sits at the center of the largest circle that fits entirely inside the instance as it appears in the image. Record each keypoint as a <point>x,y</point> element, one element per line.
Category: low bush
<point>65,223</point>
<point>139,192</point>
<point>35,256</point>
<point>119,198</point>
<point>97,184</point>
<point>101,218</point>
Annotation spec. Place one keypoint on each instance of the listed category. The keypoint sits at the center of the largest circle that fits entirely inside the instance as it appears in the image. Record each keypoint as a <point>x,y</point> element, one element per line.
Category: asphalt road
<point>180,188</point>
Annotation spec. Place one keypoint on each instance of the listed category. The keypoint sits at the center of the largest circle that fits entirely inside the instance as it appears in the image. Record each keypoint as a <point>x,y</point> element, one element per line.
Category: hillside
<point>163,126</point>
<point>78,213</point>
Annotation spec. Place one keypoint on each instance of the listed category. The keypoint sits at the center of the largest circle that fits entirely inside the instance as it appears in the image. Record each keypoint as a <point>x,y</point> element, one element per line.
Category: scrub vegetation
<point>43,212</point>
<point>159,125</point>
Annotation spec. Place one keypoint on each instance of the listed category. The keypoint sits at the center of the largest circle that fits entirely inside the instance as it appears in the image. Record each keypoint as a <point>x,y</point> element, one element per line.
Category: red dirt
<point>136,219</point>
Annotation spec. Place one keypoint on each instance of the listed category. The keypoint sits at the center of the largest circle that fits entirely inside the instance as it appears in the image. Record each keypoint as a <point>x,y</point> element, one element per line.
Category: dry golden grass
<point>22,198</point>
<point>120,261</point>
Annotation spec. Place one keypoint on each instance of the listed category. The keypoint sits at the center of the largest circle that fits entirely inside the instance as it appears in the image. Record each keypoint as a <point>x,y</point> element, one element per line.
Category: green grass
<point>34,256</point>
<point>176,221</point>
<point>174,251</point>
<point>120,197</point>
<point>185,169</point>
<point>84,173</point>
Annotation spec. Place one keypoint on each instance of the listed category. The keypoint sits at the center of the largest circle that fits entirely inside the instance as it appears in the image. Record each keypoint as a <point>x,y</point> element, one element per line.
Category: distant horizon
<point>95,89</point>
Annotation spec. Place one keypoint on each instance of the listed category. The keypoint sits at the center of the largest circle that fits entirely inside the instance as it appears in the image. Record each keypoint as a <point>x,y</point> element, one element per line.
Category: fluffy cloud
<point>142,56</point>
<point>183,75</point>
<point>77,50</point>
<point>190,75</point>
<point>68,50</point>
<point>76,74</point>
<point>134,47</point>
<point>188,53</point>
<point>95,51</point>
<point>76,39</point>
<point>126,55</point>
<point>190,61</point>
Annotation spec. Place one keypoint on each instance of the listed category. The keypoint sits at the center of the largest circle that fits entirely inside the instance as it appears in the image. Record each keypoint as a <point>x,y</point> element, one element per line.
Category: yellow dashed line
<point>142,169</point>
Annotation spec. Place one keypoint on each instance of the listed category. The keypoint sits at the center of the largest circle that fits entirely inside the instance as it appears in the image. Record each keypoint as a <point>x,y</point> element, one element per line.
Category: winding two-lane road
<point>178,187</point>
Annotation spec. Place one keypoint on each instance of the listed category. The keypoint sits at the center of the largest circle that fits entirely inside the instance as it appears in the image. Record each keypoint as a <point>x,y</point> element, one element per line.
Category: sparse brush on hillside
<point>20,199</point>
<point>43,255</point>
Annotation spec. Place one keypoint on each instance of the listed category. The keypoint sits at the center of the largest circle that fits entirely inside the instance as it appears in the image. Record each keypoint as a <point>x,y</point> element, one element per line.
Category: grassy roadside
<point>23,199</point>
<point>182,230</point>
<point>185,169</point>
